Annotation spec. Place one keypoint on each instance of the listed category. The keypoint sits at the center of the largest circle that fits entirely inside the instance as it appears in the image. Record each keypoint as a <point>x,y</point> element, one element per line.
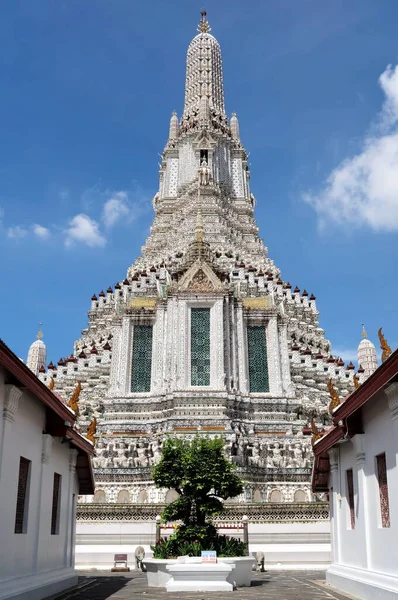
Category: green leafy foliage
<point>177,545</point>
<point>202,477</point>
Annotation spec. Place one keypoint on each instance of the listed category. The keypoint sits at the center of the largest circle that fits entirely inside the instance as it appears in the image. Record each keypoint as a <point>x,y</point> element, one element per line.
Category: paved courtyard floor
<point>272,585</point>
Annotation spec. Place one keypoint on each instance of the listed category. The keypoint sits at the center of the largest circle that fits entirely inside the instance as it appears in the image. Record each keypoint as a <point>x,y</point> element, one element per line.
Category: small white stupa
<point>37,354</point>
<point>367,358</point>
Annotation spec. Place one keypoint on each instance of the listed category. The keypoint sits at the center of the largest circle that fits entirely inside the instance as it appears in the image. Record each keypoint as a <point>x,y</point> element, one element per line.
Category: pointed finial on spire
<point>39,334</point>
<point>203,26</point>
<point>364,334</point>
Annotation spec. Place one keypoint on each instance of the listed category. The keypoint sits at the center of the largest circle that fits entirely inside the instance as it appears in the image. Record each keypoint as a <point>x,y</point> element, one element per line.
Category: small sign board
<point>209,556</point>
<point>120,558</point>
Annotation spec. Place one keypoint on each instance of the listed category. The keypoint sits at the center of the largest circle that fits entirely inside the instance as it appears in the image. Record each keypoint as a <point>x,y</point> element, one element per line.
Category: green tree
<point>201,475</point>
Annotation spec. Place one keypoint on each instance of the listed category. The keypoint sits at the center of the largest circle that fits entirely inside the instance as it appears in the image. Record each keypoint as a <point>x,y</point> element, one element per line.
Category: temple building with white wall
<point>356,463</point>
<point>202,337</point>
<point>44,464</point>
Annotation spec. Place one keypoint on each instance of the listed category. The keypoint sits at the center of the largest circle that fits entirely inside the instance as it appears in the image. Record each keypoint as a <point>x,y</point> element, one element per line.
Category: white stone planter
<point>239,575</point>
<point>156,570</point>
<point>242,570</point>
<point>191,577</point>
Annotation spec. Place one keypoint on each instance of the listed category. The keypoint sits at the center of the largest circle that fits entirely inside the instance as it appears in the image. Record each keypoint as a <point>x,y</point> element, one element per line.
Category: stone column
<point>125,357</point>
<point>68,517</point>
<point>217,371</point>
<point>234,348</point>
<point>362,501</point>
<point>274,362</point>
<point>284,352</point>
<point>227,345</point>
<point>115,360</point>
<point>47,442</point>
<point>157,355</point>
<point>335,503</point>
<point>182,345</point>
<point>242,352</point>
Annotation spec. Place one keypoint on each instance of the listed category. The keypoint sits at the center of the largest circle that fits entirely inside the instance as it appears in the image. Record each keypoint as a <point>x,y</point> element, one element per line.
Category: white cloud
<point>85,230</point>
<point>16,233</point>
<point>363,189</point>
<point>40,231</point>
<point>116,208</point>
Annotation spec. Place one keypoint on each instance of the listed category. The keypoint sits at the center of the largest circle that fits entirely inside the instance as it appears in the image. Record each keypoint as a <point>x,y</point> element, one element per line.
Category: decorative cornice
<point>334,459</point>
<point>358,441</point>
<point>391,392</point>
<point>10,409</point>
<point>73,453</point>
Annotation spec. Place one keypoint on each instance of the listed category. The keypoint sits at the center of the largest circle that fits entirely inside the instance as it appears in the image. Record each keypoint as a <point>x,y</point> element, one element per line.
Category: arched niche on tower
<point>300,496</point>
<point>275,496</point>
<point>123,497</point>
<point>99,497</point>
<point>171,495</point>
<point>142,497</point>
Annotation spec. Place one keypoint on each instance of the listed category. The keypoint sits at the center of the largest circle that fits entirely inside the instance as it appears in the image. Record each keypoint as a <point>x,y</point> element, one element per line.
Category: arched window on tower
<point>204,155</point>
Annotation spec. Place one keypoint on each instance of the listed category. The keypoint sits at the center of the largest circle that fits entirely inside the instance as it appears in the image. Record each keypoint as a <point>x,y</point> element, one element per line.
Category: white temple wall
<point>34,564</point>
<point>364,559</point>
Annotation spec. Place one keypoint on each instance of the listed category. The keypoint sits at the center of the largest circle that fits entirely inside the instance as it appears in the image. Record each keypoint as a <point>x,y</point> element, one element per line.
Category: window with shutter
<point>383,489</point>
<point>55,504</point>
<point>22,496</point>
<point>350,494</point>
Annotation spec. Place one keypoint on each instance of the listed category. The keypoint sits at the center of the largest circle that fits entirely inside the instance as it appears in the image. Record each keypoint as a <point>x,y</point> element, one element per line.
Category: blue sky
<point>87,90</point>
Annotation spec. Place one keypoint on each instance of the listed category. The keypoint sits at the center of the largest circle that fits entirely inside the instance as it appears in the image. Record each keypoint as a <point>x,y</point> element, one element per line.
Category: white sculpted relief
<point>275,457</point>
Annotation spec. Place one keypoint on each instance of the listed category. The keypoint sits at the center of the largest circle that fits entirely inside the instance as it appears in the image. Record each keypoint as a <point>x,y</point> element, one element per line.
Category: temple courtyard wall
<point>291,536</point>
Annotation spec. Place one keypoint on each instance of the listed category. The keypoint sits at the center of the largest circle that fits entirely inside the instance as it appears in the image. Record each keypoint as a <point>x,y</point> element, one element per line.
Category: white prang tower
<point>37,355</point>
<point>203,337</point>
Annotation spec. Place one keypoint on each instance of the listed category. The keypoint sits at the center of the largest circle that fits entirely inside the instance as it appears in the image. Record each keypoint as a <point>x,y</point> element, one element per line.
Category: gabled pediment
<point>204,140</point>
<point>200,278</point>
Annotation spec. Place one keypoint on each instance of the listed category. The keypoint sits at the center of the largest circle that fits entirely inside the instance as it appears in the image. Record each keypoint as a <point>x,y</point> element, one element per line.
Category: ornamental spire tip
<point>203,26</point>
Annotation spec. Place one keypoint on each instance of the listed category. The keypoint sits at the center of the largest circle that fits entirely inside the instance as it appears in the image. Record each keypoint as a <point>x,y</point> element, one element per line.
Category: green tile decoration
<point>142,359</point>
<point>200,346</point>
<point>258,366</point>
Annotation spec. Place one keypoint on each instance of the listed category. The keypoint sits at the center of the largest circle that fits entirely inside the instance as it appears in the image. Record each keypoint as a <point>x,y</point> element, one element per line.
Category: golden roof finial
<point>335,400</point>
<point>51,383</point>
<point>39,334</point>
<point>74,401</point>
<point>384,346</point>
<point>203,26</point>
<point>92,430</point>
<point>316,434</point>
<point>356,381</point>
<point>364,334</point>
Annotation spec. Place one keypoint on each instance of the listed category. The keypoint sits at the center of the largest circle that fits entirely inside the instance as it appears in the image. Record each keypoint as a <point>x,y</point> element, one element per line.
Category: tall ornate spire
<point>37,354</point>
<point>367,358</point>
<point>204,71</point>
